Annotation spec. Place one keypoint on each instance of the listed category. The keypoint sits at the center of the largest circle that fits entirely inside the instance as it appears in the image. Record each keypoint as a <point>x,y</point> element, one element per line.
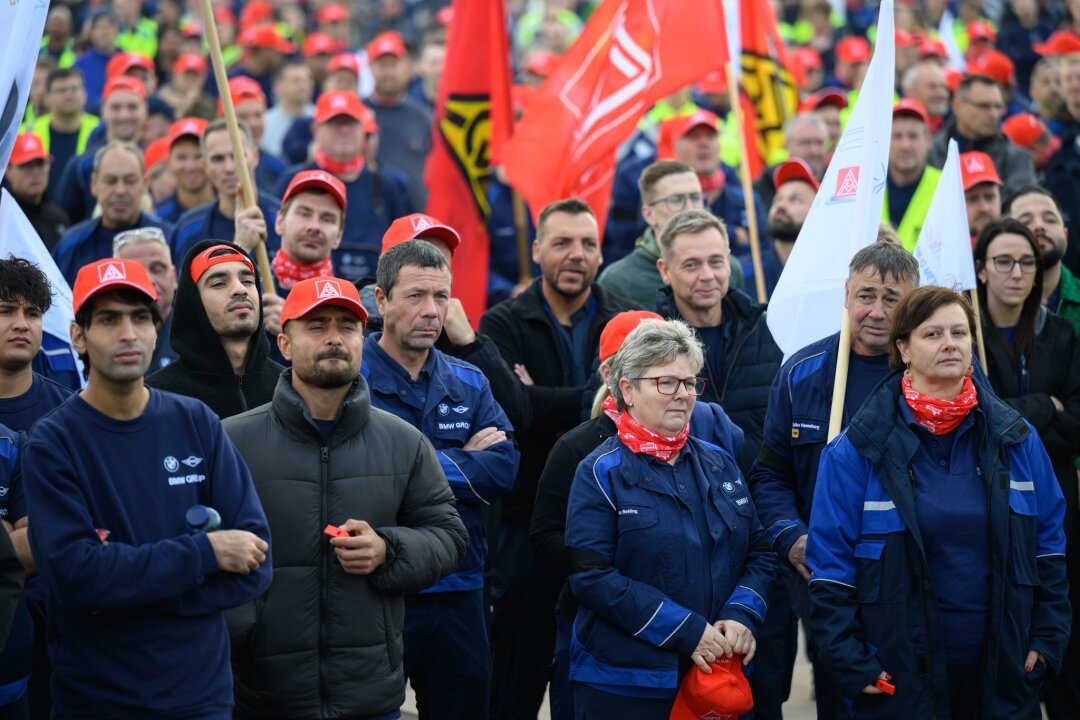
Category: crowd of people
<point>612,489</point>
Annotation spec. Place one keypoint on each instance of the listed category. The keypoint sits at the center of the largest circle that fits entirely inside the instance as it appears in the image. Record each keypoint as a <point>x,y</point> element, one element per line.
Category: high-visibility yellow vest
<point>911,224</point>
<point>40,127</point>
<point>141,39</point>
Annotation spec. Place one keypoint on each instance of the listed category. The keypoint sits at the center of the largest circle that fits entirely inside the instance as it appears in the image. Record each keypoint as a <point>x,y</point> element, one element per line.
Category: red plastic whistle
<point>884,686</point>
<point>334,531</point>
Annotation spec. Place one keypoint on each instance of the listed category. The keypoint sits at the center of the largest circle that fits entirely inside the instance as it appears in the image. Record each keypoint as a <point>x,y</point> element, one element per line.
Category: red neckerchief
<point>939,416</point>
<point>342,169</point>
<point>712,183</point>
<point>640,439</point>
<point>289,272</point>
<point>609,408</point>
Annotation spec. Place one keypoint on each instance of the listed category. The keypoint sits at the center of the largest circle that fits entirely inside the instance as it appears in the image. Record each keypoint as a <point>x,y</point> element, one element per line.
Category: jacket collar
<point>647,242</point>
<point>293,412</point>
<point>387,377</point>
<point>737,304</point>
<point>530,303</point>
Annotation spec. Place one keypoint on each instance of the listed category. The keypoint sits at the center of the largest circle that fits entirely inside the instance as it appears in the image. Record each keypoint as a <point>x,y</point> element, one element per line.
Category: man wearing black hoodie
<point>217,333</point>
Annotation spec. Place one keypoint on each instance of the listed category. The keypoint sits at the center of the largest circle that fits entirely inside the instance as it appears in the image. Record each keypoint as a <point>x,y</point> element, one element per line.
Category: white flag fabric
<point>18,238</point>
<point>809,298</point>
<point>22,23</point>
<point>944,246</point>
<point>948,39</point>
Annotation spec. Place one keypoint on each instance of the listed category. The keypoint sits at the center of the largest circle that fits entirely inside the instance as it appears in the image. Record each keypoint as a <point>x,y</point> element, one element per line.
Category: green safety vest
<point>40,127</point>
<point>141,39</point>
<point>911,224</point>
<point>67,57</point>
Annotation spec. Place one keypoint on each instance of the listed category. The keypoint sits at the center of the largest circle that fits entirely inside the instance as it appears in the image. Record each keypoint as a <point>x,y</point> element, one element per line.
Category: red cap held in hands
<point>724,693</point>
<point>316,292</point>
<point>417,225</point>
<point>110,274</point>
<point>618,327</point>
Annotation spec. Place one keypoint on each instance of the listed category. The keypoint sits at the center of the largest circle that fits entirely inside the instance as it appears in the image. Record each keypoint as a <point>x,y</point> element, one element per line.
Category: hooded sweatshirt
<point>203,370</point>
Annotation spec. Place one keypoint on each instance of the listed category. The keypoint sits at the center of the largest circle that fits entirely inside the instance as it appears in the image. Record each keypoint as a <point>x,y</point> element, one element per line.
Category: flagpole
<point>978,329</point>
<point>247,182</point>
<point>522,237</point>
<point>747,186</point>
<point>839,392</point>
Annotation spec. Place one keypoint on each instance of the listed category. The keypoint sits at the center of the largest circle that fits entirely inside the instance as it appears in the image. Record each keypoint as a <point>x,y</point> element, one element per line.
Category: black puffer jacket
<point>203,370</point>
<point>322,643</point>
<point>752,362</point>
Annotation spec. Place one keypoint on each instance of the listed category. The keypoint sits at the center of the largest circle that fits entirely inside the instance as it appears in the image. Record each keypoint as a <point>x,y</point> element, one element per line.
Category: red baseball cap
<point>309,294</point>
<point>723,693</point>
<point>344,61</point>
<point>28,147</point>
<point>931,47</point>
<point>122,62</point>
<point>675,128</point>
<point>1062,42</point>
<point>189,62</point>
<point>224,15</point>
<point>906,107</point>
<point>110,274</point>
<point>825,96</point>
<point>267,37</point>
<point>320,44</point>
<point>853,50</point>
<point>256,12</point>
<point>316,180</point>
<point>906,39</point>
<point>807,58</point>
<point>389,43</point>
<point>340,102</point>
<point>156,152</point>
<point>124,83</point>
<point>1024,129</point>
<point>952,79</point>
<point>216,255</point>
<point>334,12</point>
<point>186,127</point>
<point>794,169</point>
<point>980,31</point>
<point>976,168</point>
<point>243,89</point>
<point>419,225</point>
<point>995,65</point>
<point>542,63</point>
<point>618,327</point>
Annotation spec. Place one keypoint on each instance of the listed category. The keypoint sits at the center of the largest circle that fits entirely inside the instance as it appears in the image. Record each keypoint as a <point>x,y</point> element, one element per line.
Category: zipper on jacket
<point>324,481</point>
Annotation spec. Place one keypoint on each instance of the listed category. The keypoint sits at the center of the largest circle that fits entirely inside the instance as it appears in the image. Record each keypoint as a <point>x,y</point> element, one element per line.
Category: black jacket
<point>1054,370</point>
<point>523,332</point>
<point>203,370</point>
<point>1014,166</point>
<point>1061,176</point>
<point>752,362</point>
<point>320,642</point>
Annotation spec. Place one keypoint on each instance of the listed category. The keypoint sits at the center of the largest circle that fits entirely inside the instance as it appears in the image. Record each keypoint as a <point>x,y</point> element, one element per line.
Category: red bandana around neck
<point>939,416</point>
<point>712,183</point>
<point>640,439</point>
<point>340,168</point>
<point>609,408</point>
<point>289,272</point>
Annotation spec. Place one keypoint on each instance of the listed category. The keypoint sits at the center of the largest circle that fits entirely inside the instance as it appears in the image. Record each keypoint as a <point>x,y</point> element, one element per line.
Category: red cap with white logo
<point>309,294</point>
<point>419,225</point>
<point>316,180</point>
<point>110,274</point>
<point>977,167</point>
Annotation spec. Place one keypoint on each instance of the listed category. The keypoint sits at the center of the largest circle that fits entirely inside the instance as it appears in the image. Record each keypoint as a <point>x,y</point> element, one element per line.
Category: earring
<point>907,370</point>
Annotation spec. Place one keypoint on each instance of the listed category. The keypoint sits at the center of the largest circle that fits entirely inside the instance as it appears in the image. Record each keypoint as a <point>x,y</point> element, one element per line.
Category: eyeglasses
<point>1004,264</point>
<point>669,384</point>
<point>143,234</point>
<point>681,200</point>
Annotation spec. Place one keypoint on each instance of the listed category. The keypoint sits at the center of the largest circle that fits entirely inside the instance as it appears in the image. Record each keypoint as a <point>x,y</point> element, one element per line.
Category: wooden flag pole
<point>522,234</point>
<point>247,182</point>
<point>978,329</point>
<point>747,186</point>
<point>839,392</point>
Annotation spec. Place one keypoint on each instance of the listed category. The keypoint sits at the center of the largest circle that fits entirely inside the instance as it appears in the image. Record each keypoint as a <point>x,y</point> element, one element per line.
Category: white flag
<point>809,298</point>
<point>22,23</point>
<point>948,39</point>
<point>18,238</point>
<point>944,247</point>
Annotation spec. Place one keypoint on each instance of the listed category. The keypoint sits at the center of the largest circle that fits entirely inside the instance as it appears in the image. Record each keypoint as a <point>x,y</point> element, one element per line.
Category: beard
<point>783,230</point>
<point>328,377</point>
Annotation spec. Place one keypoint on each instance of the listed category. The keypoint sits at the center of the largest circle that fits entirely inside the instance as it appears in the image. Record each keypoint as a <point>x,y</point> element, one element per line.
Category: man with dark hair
<point>185,164</point>
<point>119,184</point>
<point>326,641</point>
<point>27,178</point>
<point>293,86</point>
<point>783,477</point>
<point>909,183</point>
<point>311,223</point>
<point>796,187</point>
<point>447,655</point>
<point>976,125</point>
<point>64,130</point>
<point>124,482</point>
<point>548,334</point>
<point>223,355</point>
<point>104,28</point>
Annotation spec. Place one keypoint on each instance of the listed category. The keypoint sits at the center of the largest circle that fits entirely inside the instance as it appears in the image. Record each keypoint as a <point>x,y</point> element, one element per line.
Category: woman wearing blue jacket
<point>669,563</point>
<point>936,548</point>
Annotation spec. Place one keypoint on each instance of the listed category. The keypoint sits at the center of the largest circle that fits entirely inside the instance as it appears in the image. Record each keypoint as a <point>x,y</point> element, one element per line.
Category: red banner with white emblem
<point>620,65</point>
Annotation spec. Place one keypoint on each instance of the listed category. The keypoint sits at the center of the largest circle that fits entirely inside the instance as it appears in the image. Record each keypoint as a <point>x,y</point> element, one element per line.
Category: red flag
<point>620,65</point>
<point>768,96</point>
<point>472,120</point>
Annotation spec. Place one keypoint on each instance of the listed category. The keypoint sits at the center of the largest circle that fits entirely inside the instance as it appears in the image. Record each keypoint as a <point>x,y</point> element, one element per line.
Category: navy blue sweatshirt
<point>135,624</point>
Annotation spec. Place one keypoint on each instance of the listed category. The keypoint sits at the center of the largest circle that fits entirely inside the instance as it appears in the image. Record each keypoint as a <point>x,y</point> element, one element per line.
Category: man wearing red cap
<point>265,50</point>
<point>27,178</point>
<point>852,55</point>
<point>250,103</point>
<point>333,20</point>
<point>982,191</point>
<point>977,109</point>
<point>827,104</point>
<point>327,462</point>
<point>404,126</point>
<point>925,83</point>
<point>119,184</point>
<point>343,127</point>
<point>796,187</point>
<point>910,184</point>
<point>447,654</point>
<point>186,89</point>
<point>1030,134</point>
<point>293,86</point>
<point>1000,68</point>
<point>64,130</point>
<point>185,164</point>
<point>310,222</point>
<point>114,471</point>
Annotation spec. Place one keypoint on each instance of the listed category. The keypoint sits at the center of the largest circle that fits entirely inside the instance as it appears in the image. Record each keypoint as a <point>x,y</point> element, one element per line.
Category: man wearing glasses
<point>148,247</point>
<point>667,187</point>
<point>976,124</point>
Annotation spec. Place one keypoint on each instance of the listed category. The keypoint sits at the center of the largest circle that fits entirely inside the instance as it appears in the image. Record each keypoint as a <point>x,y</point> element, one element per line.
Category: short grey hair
<point>690,222</point>
<point>806,118</point>
<point>419,253</point>
<point>887,258</point>
<point>99,156</point>
<point>907,80</point>
<point>651,344</point>
<point>138,236</point>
